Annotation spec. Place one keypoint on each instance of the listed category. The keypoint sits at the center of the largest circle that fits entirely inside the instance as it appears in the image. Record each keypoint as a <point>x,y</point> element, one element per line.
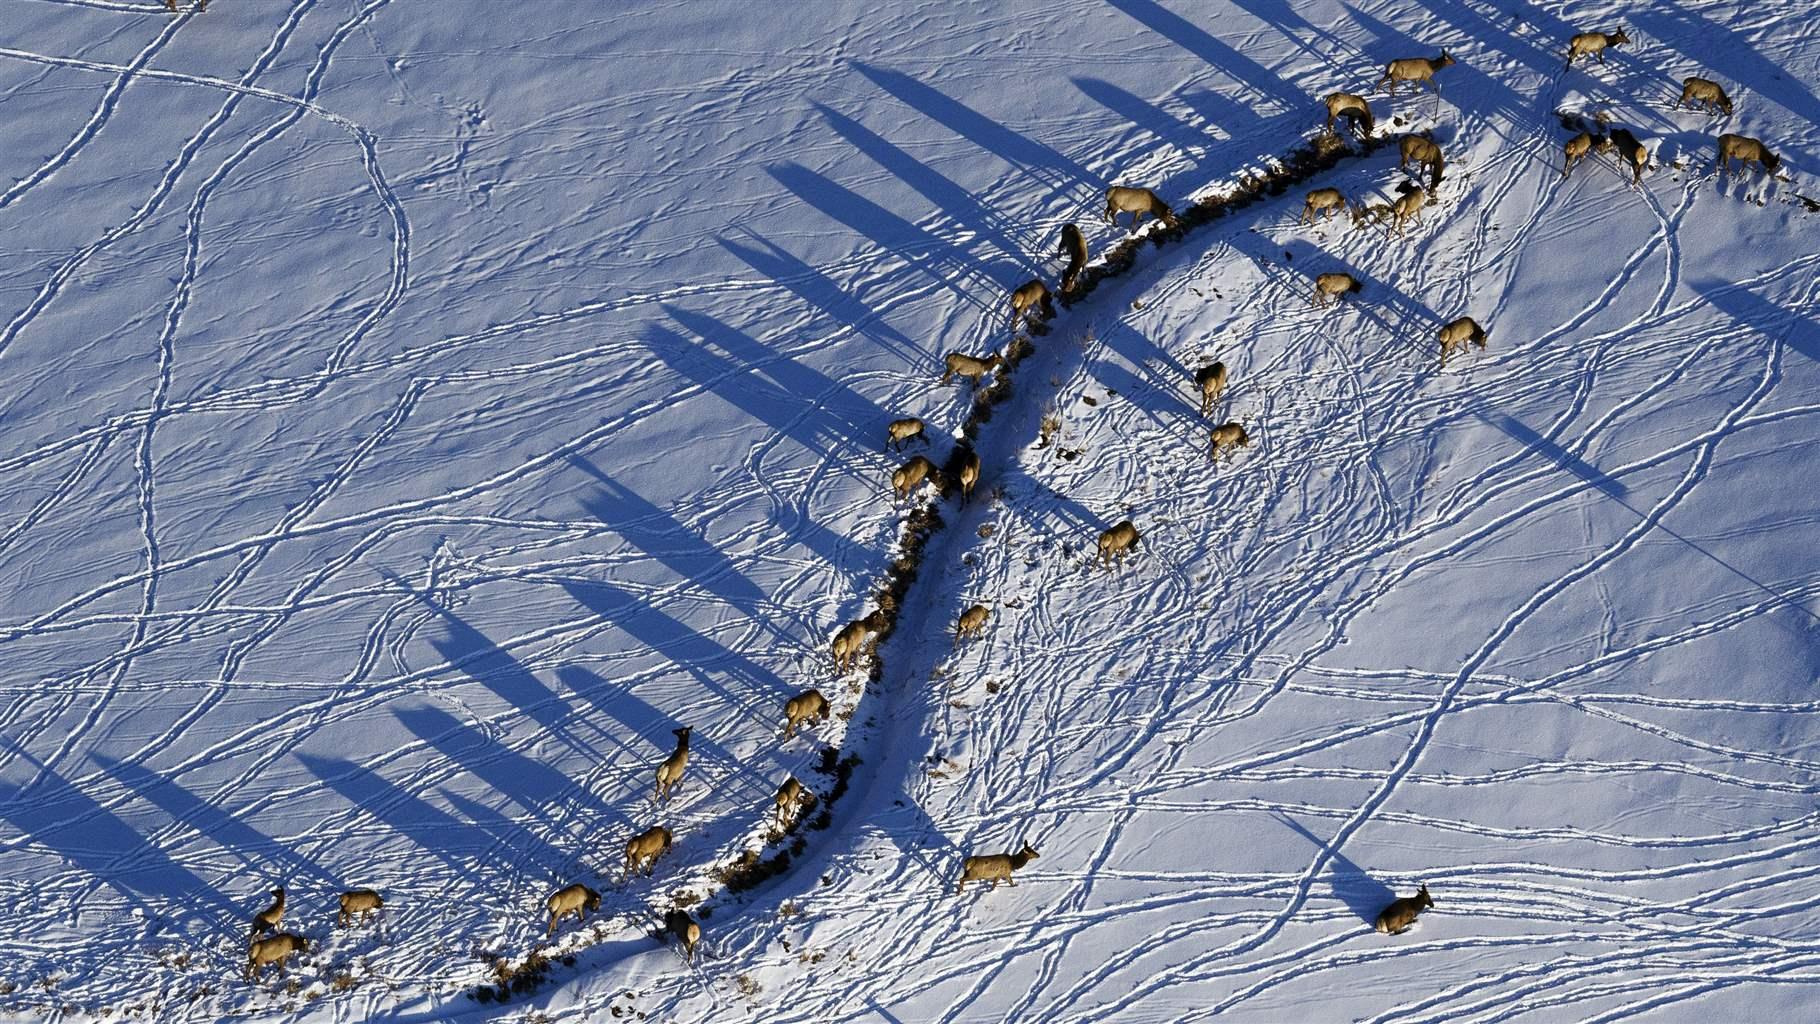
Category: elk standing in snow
<point>1576,150</point>
<point>1334,286</point>
<point>1745,149</point>
<point>901,432</point>
<point>1593,43</point>
<point>1425,153</point>
<point>274,949</point>
<point>994,868</point>
<point>1460,333</point>
<point>576,899</point>
<point>1402,912</point>
<point>1031,294</point>
<point>972,623</point>
<point>671,771</point>
<point>270,918</point>
<point>792,797</point>
<point>1074,246</point>
<point>1116,542</point>
<point>1353,108</point>
<point>808,706</point>
<point>1137,202</point>
<point>849,642</point>
<point>1324,201</point>
<point>678,923</point>
<point>911,475</point>
<point>361,902</point>
<point>1407,207</point>
<point>1210,381</point>
<point>970,474</point>
<point>1225,437</point>
<point>1706,93</point>
<point>1631,152</point>
<point>970,367</point>
<point>642,850</point>
<point>1420,70</point>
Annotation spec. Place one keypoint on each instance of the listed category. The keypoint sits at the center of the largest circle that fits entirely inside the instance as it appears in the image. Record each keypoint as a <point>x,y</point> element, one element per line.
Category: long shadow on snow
<point>1363,895</point>
<point>822,293</point>
<point>1729,55</point>
<point>1217,54</point>
<point>1170,130</point>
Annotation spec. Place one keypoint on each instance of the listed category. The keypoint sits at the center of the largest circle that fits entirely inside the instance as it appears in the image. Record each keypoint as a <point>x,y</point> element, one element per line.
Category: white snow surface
<point>415,412</point>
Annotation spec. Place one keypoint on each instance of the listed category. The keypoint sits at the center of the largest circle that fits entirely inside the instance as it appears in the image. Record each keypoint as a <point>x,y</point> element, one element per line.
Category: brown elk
<point>1407,207</point>
<point>1210,381</point>
<point>1353,108</point>
<point>1706,93</point>
<point>1334,286</point>
<point>849,642</point>
<point>1226,437</point>
<point>1631,152</point>
<point>911,475</point>
<point>270,918</point>
<point>642,850</point>
<point>808,706</point>
<point>670,772</point>
<point>792,797</point>
<point>1117,541</point>
<point>576,899</point>
<point>1032,294</point>
<point>357,902</point>
<point>972,623</point>
<point>902,432</point>
<point>1137,202</point>
<point>1425,153</point>
<point>1459,334</point>
<point>274,949</point>
<point>678,923</point>
<point>1577,148</point>
<point>1420,70</point>
<point>1074,246</point>
<point>994,868</point>
<point>970,474</point>
<point>1324,201</point>
<point>1402,912</point>
<point>970,367</point>
<point>1744,149</point>
<point>1593,43</point>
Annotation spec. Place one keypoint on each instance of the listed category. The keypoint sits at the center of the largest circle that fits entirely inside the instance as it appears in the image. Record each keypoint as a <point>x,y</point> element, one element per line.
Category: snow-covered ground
<point>415,412</point>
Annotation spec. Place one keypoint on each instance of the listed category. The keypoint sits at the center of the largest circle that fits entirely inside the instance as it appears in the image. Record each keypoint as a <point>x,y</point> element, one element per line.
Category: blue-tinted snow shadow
<point>1216,54</point>
<point>1714,51</point>
<point>1363,895</point>
<point>823,294</point>
<point>1802,334</point>
<point>1533,441</point>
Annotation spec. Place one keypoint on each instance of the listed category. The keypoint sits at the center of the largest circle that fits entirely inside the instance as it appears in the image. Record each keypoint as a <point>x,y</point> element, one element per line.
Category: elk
<point>1353,108</point>
<point>576,899</point>
<point>671,771</point>
<point>1325,201</point>
<point>1211,381</point>
<point>360,902</point>
<point>274,949</point>
<point>1137,202</point>
<point>1706,93</point>
<point>1460,333</point>
<point>1420,70</point>
<point>902,432</point>
<point>1577,148</point>
<point>1032,294</point>
<point>994,868</point>
<point>807,706</point>
<point>1593,43</point>
<point>972,623</point>
<point>1744,149</point>
<point>270,918</point>
<point>911,475</point>
<point>642,850</point>
<point>971,367</point>
<point>1425,153</point>
<point>1631,152</point>
<point>1402,912</point>
<point>1407,207</point>
<point>678,923</point>
<point>849,642</point>
<point>970,473</point>
<point>1334,286</point>
<point>1227,436</point>
<point>792,797</point>
<point>1074,246</point>
<point>1117,541</point>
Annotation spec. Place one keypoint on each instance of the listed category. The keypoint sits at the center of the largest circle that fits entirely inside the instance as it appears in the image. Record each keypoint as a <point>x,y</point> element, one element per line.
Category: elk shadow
<point>1745,306</point>
<point>1520,432</point>
<point>1168,129</point>
<point>822,293</point>
<point>1215,53</point>
<point>1363,895</point>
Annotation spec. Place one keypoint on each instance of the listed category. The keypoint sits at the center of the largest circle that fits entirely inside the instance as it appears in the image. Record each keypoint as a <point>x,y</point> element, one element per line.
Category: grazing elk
<point>671,771</point>
<point>1593,43</point>
<point>970,367</point>
<point>994,868</point>
<point>849,642</point>
<point>274,949</point>
<point>1425,153</point>
<point>1744,149</point>
<point>678,923</point>
<point>1459,334</point>
<point>270,918</point>
<point>1420,70</point>
<point>1210,381</point>
<point>1353,108</point>
<point>1324,201</point>
<point>902,432</point>
<point>1407,207</point>
<point>1137,202</point>
<point>808,706</point>
<point>1402,912</point>
<point>1631,152</point>
<point>792,798</point>
<point>1226,437</point>
<point>1117,541</point>
<point>1706,93</point>
<point>1334,286</point>
<point>1577,148</point>
<point>972,623</point>
<point>576,899</point>
<point>909,476</point>
<point>970,474</point>
<point>1032,294</point>
<point>643,849</point>
<point>1074,246</point>
<point>357,903</point>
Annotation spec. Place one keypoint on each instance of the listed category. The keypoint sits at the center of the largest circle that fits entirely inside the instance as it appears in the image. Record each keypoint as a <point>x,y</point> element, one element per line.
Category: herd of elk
<point>267,946</point>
